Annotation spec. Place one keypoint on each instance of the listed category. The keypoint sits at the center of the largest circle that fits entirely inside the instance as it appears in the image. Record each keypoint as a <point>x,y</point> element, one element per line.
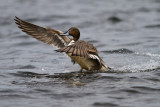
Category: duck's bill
<point>65,34</point>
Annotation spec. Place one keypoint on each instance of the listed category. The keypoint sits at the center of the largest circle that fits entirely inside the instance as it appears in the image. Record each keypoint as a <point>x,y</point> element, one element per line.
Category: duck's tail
<point>104,66</point>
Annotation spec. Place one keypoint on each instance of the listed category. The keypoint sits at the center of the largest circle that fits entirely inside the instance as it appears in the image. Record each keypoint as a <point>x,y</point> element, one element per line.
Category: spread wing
<point>46,35</point>
<point>81,48</point>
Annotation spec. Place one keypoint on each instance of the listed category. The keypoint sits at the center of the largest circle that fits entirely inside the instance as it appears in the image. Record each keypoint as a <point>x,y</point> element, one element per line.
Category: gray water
<point>125,32</point>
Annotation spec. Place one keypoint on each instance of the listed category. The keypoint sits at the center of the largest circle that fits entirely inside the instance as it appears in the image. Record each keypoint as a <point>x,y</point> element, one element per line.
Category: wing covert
<point>80,48</point>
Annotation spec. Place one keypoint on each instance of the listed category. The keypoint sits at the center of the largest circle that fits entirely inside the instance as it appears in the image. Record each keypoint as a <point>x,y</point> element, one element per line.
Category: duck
<point>80,51</point>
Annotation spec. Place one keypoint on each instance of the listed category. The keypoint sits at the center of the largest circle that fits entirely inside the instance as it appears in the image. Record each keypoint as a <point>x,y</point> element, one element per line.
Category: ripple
<point>153,26</point>
<point>43,90</point>
<point>69,95</point>
<point>25,44</point>
<point>131,44</point>
<point>158,74</point>
<point>72,75</point>
<point>86,24</point>
<point>119,51</point>
<point>153,79</point>
<point>63,24</point>
<point>49,18</point>
<point>114,19</point>
<point>104,104</point>
<point>5,21</point>
<point>7,91</point>
<point>28,74</point>
<point>118,98</point>
<point>2,75</point>
<point>93,41</point>
<point>23,67</point>
<point>110,78</point>
<point>101,45</point>
<point>20,36</point>
<point>14,96</point>
<point>12,52</point>
<point>131,91</point>
<point>144,9</point>
<point>144,88</point>
<point>73,78</point>
<point>27,67</point>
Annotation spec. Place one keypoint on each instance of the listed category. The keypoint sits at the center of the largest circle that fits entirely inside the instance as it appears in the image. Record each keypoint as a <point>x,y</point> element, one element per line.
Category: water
<point>126,33</point>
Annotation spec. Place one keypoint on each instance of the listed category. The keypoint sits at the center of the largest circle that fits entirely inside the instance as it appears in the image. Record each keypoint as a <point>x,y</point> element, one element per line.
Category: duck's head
<point>74,32</point>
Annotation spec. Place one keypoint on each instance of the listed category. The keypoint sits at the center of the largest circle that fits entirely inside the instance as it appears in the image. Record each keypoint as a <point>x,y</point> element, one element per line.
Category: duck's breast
<point>86,63</point>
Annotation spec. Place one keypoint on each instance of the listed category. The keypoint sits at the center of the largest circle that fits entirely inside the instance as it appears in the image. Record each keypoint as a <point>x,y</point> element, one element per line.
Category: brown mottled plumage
<point>85,54</point>
<point>80,48</point>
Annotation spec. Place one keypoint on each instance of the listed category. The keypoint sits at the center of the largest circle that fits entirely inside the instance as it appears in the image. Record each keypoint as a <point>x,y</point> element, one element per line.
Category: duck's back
<point>85,54</point>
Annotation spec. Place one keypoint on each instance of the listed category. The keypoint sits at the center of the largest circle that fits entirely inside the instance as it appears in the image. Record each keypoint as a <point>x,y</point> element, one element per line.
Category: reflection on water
<point>124,31</point>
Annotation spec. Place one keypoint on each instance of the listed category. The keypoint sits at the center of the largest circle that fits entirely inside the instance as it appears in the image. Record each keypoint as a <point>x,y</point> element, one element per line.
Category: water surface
<point>125,32</point>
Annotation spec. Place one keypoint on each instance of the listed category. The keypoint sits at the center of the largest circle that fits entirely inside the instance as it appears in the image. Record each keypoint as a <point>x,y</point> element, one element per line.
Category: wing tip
<point>17,20</point>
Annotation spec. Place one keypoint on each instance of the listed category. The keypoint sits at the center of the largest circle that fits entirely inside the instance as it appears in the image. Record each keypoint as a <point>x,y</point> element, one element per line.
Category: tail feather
<point>104,66</point>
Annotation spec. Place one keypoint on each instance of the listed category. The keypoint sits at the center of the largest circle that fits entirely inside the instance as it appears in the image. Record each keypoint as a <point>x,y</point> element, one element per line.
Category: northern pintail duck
<point>81,52</point>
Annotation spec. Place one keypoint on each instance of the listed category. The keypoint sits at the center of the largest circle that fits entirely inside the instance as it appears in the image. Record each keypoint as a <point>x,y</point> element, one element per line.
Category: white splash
<point>148,54</point>
<point>154,55</point>
<point>141,67</point>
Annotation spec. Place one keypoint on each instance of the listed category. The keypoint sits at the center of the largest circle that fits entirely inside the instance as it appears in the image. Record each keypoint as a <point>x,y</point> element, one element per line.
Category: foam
<point>141,67</point>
